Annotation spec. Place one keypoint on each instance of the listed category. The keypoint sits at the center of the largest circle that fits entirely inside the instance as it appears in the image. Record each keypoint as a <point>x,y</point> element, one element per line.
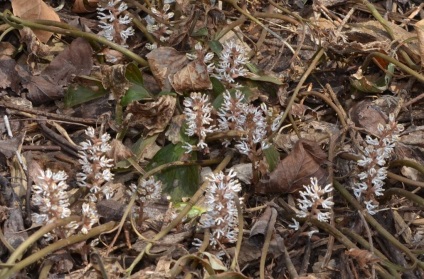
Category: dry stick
<point>354,202</point>
<point>330,169</point>
<point>234,263</point>
<point>305,75</point>
<point>369,235</point>
<point>343,239</point>
<point>255,20</point>
<point>413,101</point>
<point>180,216</point>
<point>59,245</point>
<point>10,19</point>
<point>270,230</point>
<point>34,237</point>
<point>393,268</point>
<point>404,193</point>
<point>88,121</point>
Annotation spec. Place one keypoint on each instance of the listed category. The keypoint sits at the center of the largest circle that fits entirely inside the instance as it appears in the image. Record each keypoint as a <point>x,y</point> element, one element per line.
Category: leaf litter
<point>179,139</point>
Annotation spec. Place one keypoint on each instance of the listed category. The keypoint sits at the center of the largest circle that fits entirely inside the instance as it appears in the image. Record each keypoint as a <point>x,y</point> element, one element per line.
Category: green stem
<point>71,31</point>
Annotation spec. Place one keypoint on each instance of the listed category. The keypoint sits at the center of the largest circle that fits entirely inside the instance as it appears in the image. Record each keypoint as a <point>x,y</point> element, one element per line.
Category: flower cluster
<point>159,27</point>
<point>375,155</point>
<point>222,215</point>
<point>313,202</point>
<point>114,22</point>
<point>237,115</point>
<point>95,164</point>
<point>149,190</point>
<point>49,194</point>
<point>52,199</point>
<point>198,118</point>
<point>232,61</point>
<point>202,55</point>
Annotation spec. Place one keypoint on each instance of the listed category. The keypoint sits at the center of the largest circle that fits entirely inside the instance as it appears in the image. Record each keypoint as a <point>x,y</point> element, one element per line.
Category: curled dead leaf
<point>193,77</point>
<point>35,9</point>
<point>154,116</point>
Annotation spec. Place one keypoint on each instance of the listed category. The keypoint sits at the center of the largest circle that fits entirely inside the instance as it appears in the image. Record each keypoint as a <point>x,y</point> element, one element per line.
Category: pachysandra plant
<point>198,118</point>
<point>116,24</point>
<point>52,199</point>
<point>370,179</point>
<point>159,28</point>
<point>96,165</point>
<point>315,202</point>
<point>221,215</point>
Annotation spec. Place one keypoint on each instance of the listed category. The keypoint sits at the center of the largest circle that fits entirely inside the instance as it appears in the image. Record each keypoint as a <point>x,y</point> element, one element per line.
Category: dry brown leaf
<point>419,28</point>
<point>367,115</point>
<point>85,6</point>
<point>35,9</point>
<point>295,170</point>
<point>74,60</point>
<point>363,257</point>
<point>164,62</point>
<point>115,80</point>
<point>154,116</point>
<point>8,75</point>
<point>9,147</point>
<point>193,77</point>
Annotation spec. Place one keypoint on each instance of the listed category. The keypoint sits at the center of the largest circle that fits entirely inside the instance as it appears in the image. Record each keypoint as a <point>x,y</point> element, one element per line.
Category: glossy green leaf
<point>77,94</point>
<point>215,46</point>
<point>272,157</point>
<point>136,92</point>
<point>217,87</point>
<point>178,181</point>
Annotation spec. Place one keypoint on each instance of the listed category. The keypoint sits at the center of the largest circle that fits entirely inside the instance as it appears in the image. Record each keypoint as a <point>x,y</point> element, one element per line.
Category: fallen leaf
<point>296,169</point>
<point>164,62</point>
<point>8,74</point>
<point>35,9</point>
<point>367,115</point>
<point>155,115</point>
<point>115,80</point>
<point>193,77</point>
<point>74,60</point>
<point>9,147</point>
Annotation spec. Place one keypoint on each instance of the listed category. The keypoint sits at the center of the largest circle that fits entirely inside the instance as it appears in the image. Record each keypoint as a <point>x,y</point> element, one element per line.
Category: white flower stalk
<point>222,215</point>
<point>160,29</point>
<point>372,164</point>
<point>314,203</point>
<point>232,61</point>
<point>95,163</point>
<point>198,118</point>
<point>89,217</point>
<point>201,55</point>
<point>114,22</point>
<point>49,194</point>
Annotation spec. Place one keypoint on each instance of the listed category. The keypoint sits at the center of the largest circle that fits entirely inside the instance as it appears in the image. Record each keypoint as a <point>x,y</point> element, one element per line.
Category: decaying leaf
<point>9,147</point>
<point>114,79</point>
<point>363,257</point>
<point>367,115</point>
<point>74,60</point>
<point>295,170</point>
<point>265,222</point>
<point>164,62</point>
<point>8,75</point>
<point>35,9</point>
<point>193,77</point>
<point>154,116</point>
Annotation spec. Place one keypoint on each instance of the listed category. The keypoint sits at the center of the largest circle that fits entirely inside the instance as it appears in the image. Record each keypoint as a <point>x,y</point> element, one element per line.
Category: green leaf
<point>77,94</point>
<point>215,46</point>
<point>133,74</point>
<point>202,32</point>
<point>135,93</point>
<point>256,74</point>
<point>272,157</point>
<point>178,181</point>
<point>217,86</point>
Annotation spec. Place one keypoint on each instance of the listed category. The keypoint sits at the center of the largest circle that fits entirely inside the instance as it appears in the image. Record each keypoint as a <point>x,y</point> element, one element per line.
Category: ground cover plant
<point>211,139</point>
